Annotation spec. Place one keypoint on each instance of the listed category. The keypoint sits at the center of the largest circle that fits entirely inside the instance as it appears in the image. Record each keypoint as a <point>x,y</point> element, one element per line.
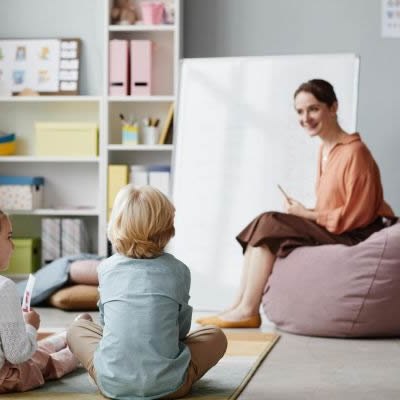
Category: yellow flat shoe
<point>199,320</point>
<point>252,322</point>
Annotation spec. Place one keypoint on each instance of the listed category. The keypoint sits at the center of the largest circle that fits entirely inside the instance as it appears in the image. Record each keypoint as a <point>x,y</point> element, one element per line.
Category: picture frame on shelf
<point>43,66</point>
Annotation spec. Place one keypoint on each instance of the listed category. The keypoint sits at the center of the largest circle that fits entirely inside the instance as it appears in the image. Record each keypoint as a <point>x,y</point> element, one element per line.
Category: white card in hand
<point>26,302</point>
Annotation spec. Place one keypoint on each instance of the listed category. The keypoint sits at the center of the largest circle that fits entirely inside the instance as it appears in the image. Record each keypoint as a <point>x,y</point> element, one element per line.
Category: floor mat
<point>245,353</point>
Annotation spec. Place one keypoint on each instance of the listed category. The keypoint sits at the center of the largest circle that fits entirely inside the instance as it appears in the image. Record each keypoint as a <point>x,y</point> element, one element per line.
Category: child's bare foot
<point>86,316</point>
<point>64,362</point>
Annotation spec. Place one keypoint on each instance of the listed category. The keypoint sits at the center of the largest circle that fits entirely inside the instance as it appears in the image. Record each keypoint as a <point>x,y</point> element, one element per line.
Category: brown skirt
<point>282,233</point>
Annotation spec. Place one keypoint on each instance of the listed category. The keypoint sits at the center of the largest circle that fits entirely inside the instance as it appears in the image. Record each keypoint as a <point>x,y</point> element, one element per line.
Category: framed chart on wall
<point>46,66</point>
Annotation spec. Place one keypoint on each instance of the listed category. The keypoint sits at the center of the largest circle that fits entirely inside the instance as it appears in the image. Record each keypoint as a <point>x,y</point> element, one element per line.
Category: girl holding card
<point>349,207</point>
<point>25,363</point>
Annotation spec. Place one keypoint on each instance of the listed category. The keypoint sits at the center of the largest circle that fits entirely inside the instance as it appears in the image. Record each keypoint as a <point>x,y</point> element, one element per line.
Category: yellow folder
<point>117,178</point>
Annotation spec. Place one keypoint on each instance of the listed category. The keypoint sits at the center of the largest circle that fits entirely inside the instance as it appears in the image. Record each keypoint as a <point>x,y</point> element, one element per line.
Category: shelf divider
<point>56,159</point>
<point>141,28</point>
<point>141,99</point>
<point>141,147</point>
<point>56,211</point>
<point>48,99</point>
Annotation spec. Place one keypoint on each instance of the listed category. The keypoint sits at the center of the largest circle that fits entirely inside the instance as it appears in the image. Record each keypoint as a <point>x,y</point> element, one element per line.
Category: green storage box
<point>26,256</point>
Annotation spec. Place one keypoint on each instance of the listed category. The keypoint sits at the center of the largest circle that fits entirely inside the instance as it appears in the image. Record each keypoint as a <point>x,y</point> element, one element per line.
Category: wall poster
<point>391,18</point>
<point>47,66</point>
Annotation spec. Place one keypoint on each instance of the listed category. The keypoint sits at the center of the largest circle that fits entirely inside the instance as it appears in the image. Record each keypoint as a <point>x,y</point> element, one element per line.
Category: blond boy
<point>142,349</point>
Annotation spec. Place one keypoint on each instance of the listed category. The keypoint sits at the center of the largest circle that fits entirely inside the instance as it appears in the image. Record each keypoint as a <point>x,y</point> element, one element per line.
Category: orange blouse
<point>349,191</point>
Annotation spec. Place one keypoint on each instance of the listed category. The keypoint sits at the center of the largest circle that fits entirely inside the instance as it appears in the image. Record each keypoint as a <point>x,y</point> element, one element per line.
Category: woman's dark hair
<point>322,90</point>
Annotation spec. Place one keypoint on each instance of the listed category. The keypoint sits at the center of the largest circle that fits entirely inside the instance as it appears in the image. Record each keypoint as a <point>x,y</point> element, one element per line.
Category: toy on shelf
<point>169,11</point>
<point>28,92</point>
<point>123,13</point>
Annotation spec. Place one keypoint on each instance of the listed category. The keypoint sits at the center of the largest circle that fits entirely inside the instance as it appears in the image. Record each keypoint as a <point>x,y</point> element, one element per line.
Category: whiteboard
<point>237,137</point>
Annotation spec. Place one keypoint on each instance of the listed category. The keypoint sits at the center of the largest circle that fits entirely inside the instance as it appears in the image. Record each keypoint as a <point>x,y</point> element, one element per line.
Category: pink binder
<point>141,60</point>
<point>119,68</point>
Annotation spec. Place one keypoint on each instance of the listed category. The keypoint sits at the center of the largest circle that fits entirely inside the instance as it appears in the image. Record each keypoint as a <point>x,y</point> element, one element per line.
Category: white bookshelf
<point>77,186</point>
<point>166,54</point>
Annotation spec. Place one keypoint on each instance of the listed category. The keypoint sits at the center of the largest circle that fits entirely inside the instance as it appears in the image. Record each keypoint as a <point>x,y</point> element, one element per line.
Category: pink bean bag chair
<point>337,290</point>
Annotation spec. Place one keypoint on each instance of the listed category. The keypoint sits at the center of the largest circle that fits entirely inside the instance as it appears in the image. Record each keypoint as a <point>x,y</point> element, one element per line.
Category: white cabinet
<point>78,186</point>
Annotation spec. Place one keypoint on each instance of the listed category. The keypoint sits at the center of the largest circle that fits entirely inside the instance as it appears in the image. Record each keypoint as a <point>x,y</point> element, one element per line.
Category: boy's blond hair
<point>141,222</point>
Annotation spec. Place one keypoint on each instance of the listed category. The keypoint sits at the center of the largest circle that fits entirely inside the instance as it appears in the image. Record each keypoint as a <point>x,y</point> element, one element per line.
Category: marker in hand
<point>285,194</point>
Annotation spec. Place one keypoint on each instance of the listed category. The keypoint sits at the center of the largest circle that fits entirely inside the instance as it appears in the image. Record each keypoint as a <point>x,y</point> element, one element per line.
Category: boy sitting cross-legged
<point>142,350</point>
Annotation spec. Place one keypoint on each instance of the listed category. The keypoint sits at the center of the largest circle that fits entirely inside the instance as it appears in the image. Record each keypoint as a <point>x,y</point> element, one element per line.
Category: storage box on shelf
<point>26,256</point>
<point>141,63</point>
<point>159,177</point>
<point>66,139</point>
<point>130,67</point>
<point>154,175</point>
<point>21,192</point>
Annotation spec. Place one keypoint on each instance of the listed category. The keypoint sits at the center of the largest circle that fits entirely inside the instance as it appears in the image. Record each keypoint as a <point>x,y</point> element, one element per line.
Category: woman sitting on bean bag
<point>350,205</point>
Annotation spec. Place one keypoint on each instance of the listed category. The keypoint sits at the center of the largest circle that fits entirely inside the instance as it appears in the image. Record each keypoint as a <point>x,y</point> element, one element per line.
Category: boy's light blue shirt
<point>145,312</point>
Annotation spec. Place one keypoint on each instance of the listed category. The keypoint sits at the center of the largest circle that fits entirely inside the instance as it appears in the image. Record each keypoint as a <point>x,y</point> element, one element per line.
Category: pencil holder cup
<point>130,135</point>
<point>152,12</point>
<point>150,135</point>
